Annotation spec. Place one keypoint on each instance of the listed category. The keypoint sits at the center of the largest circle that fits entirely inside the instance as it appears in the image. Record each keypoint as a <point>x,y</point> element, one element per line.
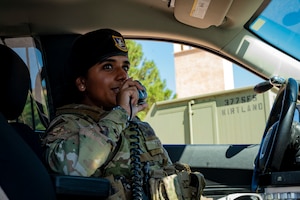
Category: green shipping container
<point>236,116</point>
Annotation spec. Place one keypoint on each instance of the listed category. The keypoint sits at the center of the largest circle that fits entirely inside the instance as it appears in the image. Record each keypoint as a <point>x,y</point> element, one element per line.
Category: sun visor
<point>201,13</point>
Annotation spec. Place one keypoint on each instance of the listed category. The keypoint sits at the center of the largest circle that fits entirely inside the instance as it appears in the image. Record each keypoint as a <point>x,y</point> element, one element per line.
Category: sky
<point>162,55</point>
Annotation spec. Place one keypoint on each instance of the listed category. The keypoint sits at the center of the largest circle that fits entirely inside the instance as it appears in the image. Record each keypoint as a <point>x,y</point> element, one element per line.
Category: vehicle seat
<point>22,174</point>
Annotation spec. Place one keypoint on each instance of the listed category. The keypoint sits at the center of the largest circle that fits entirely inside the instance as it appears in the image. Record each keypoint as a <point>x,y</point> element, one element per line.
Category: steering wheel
<point>276,137</point>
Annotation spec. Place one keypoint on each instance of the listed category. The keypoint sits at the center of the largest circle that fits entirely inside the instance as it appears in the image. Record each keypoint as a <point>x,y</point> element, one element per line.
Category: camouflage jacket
<point>88,141</point>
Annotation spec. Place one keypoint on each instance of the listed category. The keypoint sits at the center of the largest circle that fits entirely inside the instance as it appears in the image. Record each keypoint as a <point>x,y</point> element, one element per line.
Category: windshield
<point>279,25</point>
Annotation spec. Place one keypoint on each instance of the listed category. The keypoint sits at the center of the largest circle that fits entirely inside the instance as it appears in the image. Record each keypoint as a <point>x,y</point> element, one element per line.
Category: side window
<point>213,101</point>
<point>35,113</point>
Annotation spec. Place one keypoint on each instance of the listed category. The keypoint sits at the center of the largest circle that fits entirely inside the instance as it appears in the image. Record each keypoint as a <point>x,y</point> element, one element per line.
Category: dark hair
<point>69,93</point>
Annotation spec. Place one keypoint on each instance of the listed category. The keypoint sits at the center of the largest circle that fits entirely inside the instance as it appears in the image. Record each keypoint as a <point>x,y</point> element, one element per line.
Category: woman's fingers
<point>128,97</point>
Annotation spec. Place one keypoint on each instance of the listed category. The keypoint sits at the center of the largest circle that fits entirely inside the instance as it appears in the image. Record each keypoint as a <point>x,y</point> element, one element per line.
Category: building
<point>196,76</point>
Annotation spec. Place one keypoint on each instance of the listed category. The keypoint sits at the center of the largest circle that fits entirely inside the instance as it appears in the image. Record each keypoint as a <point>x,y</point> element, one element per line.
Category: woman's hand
<point>128,97</point>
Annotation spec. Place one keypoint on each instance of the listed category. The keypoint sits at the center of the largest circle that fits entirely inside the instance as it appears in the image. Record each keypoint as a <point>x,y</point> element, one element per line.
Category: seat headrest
<point>14,80</point>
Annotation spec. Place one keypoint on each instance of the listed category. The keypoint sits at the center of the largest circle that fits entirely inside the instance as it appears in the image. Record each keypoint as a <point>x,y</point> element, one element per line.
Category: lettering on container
<point>240,104</point>
<point>242,109</point>
<point>240,99</point>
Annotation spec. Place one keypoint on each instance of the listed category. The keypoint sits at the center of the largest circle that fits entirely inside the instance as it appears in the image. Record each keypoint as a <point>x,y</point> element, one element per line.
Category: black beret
<point>92,48</point>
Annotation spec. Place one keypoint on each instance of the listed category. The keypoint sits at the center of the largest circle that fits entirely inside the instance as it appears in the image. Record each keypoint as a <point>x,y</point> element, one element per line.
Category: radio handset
<point>142,95</point>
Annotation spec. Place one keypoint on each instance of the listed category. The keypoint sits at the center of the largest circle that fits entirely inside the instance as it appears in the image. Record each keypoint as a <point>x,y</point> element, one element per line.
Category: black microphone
<point>142,94</point>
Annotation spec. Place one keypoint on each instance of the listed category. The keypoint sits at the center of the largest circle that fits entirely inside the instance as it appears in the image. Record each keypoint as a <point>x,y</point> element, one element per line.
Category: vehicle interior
<point>261,36</point>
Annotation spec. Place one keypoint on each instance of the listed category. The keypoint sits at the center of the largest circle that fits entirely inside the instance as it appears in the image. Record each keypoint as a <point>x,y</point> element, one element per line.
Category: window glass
<point>213,101</point>
<point>35,113</point>
<point>279,25</point>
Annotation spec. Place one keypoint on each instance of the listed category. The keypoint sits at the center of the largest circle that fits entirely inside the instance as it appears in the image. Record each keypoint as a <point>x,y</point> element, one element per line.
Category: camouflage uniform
<point>82,138</point>
<point>88,141</point>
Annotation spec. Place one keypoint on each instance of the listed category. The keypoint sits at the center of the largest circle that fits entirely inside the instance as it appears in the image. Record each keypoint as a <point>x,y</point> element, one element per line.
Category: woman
<point>96,131</point>
<point>97,126</point>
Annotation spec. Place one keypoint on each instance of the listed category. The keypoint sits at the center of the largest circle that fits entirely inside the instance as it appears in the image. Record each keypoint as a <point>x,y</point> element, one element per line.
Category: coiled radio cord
<point>135,154</point>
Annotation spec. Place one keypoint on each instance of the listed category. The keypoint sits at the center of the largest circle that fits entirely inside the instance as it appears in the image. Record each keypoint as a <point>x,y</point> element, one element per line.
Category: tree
<point>148,74</point>
<point>30,114</point>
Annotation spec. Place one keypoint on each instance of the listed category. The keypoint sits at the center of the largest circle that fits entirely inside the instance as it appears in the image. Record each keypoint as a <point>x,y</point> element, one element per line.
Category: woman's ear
<point>80,83</point>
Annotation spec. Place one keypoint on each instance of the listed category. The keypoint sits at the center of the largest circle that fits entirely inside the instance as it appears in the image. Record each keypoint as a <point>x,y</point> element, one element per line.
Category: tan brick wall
<point>198,72</point>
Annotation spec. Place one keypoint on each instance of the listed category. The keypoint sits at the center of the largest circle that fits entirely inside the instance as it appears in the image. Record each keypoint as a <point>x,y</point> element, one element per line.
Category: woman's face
<point>103,82</point>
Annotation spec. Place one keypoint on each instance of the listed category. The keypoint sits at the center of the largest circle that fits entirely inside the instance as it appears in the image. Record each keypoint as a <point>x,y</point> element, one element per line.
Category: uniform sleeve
<point>75,146</point>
